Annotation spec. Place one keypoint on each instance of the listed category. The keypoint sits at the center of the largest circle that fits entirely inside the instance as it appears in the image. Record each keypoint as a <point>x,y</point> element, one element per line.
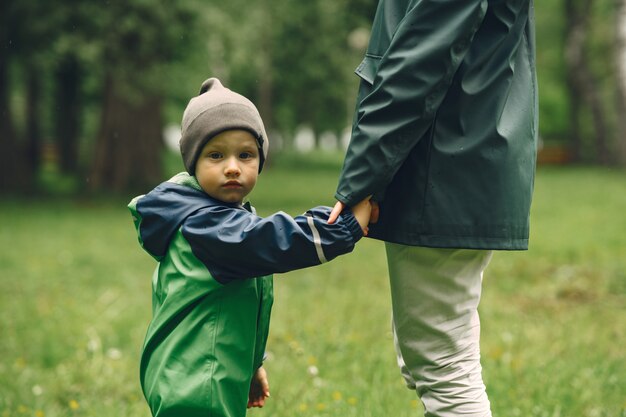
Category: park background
<point>91,96</point>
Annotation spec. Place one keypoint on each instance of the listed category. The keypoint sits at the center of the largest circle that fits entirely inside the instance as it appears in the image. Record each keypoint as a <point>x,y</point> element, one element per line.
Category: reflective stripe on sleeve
<point>317,240</point>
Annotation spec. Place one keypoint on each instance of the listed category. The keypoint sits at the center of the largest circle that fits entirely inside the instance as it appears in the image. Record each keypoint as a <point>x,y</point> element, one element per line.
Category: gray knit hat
<point>215,110</point>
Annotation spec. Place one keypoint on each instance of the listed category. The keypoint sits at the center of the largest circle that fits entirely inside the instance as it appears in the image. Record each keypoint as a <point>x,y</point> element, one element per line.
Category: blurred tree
<point>360,13</point>
<point>38,47</point>
<point>107,75</point>
<point>292,58</point>
<point>138,39</point>
<point>583,85</point>
<point>74,48</point>
<point>266,77</point>
<point>24,38</point>
<point>33,37</point>
<point>620,64</point>
<point>68,81</point>
<point>553,99</point>
<point>312,67</point>
<point>10,157</point>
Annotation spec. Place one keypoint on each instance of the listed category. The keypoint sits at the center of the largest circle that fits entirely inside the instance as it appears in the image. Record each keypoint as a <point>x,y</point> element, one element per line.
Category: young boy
<point>212,289</point>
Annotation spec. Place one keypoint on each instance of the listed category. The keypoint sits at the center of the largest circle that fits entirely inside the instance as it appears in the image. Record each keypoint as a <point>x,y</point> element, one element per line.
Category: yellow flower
<point>22,409</point>
<point>320,407</point>
<point>496,353</point>
<point>39,413</point>
<point>414,403</point>
<point>74,405</point>
<point>337,396</point>
<point>303,407</point>
<point>516,363</point>
<point>312,360</point>
<point>352,400</point>
<point>20,362</point>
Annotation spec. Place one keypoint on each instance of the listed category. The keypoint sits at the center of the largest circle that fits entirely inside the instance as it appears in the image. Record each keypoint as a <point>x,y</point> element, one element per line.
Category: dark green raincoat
<point>445,128</point>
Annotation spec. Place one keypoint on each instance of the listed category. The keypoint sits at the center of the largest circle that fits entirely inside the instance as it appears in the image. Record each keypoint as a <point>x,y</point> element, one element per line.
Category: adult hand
<point>362,212</point>
<point>339,206</point>
<point>335,212</point>
<point>375,212</point>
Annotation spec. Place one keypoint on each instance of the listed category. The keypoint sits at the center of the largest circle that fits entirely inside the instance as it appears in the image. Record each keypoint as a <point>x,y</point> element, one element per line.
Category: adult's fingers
<point>375,213</point>
<point>335,212</point>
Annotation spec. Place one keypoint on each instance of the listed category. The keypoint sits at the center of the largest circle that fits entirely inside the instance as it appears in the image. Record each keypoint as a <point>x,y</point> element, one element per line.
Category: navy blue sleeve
<point>234,243</point>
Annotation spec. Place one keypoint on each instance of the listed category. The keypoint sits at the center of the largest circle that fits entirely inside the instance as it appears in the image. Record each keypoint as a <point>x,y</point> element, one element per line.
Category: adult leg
<point>435,295</point>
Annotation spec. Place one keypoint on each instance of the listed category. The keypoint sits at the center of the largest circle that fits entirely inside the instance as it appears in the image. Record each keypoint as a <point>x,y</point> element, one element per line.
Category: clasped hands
<point>365,212</point>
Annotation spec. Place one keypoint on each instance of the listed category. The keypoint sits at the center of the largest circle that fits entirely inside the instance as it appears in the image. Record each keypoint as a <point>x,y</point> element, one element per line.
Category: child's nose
<point>232,167</point>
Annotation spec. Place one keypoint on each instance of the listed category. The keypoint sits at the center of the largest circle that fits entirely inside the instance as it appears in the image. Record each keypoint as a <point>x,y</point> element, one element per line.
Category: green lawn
<point>75,300</point>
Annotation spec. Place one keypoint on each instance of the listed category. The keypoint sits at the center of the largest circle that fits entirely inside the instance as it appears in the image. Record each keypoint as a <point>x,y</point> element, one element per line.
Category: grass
<point>75,299</point>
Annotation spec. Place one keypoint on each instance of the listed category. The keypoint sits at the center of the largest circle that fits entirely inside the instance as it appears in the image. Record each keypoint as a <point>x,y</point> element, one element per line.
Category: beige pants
<point>435,295</point>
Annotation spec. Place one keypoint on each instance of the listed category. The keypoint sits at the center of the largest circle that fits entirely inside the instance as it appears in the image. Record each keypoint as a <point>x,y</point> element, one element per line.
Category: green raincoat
<point>212,291</point>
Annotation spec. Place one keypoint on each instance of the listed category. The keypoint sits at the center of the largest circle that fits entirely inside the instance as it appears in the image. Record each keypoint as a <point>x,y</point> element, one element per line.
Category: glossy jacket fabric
<point>212,291</point>
<point>445,128</point>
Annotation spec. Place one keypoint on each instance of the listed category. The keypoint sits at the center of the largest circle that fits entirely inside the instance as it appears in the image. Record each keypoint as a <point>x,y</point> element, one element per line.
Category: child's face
<point>228,166</point>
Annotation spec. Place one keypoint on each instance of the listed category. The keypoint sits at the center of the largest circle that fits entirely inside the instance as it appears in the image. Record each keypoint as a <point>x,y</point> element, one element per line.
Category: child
<point>212,289</point>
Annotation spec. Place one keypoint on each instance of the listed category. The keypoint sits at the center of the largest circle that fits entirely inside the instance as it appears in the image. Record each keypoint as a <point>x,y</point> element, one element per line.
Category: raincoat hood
<point>164,209</point>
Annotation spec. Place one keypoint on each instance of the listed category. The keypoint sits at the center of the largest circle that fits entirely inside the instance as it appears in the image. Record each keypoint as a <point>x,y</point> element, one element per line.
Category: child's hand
<point>362,212</point>
<point>259,389</point>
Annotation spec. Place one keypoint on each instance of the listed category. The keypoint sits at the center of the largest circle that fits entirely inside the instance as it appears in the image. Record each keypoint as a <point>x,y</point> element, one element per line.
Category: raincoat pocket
<point>368,68</point>
<point>366,71</point>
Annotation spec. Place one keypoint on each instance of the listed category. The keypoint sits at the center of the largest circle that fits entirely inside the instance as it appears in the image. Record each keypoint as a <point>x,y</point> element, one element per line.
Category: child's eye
<point>246,155</point>
<point>214,155</point>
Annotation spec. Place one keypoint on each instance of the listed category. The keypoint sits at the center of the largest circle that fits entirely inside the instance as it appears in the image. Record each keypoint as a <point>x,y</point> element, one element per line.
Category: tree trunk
<point>33,117</point>
<point>129,145</point>
<point>573,51</point>
<point>584,88</point>
<point>9,155</point>
<point>620,59</point>
<point>13,173</point>
<point>266,82</point>
<point>68,79</point>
